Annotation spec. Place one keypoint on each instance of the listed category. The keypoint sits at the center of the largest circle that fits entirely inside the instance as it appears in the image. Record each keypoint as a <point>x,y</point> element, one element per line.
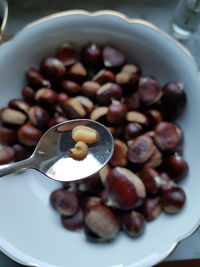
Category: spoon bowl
<point>51,158</point>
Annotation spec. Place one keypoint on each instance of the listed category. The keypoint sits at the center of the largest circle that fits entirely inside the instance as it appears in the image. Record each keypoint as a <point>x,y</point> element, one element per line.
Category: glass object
<point>186,18</point>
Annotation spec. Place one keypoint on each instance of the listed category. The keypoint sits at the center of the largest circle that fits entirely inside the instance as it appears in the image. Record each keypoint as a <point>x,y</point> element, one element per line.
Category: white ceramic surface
<point>30,231</point>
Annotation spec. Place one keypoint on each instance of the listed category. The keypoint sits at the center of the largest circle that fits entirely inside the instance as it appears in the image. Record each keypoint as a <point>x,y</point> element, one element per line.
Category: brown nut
<point>7,136</point>
<point>132,102</point>
<point>132,130</point>
<point>19,104</point>
<point>149,91</point>
<point>73,109</point>
<point>91,236</point>
<point>99,113</point>
<point>74,222</point>
<point>104,172</point>
<point>140,149</point>
<point>55,120</point>
<point>64,201</point>
<point>154,116</point>
<point>131,69</point>
<point>176,166</point>
<point>151,208</point>
<point>92,184</point>
<point>104,76</point>
<point>112,57</point>
<point>29,135</point>
<point>91,55</point>
<point>7,154</point>
<point>86,103</point>
<point>133,223</point>
<point>21,152</point>
<point>173,100</point>
<point>70,87</point>
<point>12,116</point>
<point>28,93</point>
<point>38,116</point>
<point>151,179</point>
<point>120,154</point>
<point>77,73</point>
<point>67,53</point>
<point>52,68</point>
<point>85,134</point>
<point>116,112</point>
<point>173,200</point>
<point>61,98</point>
<point>102,221</point>
<point>107,92</point>
<point>46,97</point>
<point>166,182</point>
<point>89,88</point>
<point>167,136</point>
<point>155,160</point>
<point>125,189</point>
<point>91,202</point>
<point>79,152</point>
<point>128,81</point>
<point>137,117</point>
<point>35,79</point>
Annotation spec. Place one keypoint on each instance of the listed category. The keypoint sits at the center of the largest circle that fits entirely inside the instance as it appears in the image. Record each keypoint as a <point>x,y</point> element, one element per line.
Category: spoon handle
<point>15,167</point>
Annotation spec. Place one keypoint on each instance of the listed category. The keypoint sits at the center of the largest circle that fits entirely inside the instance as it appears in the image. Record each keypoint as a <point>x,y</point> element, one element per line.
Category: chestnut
<point>99,114</point>
<point>116,112</point>
<point>67,53</point>
<point>129,81</point>
<point>64,201</point>
<point>29,94</point>
<point>77,73</point>
<point>7,154</point>
<point>151,208</point>
<point>38,116</point>
<point>154,116</point>
<point>74,222</point>
<point>91,236</point>
<point>73,109</point>
<point>137,117</point>
<point>103,222</point>
<point>133,223</point>
<point>125,189</point>
<point>7,136</point>
<point>91,202</point>
<point>166,182</point>
<point>21,152</point>
<point>92,184</point>
<point>168,136</point>
<point>173,100</point>
<point>140,149</point>
<point>107,92</point>
<point>131,69</point>
<point>132,102</point>
<point>35,79</point>
<point>61,98</point>
<point>132,130</point>
<point>104,76</point>
<point>29,135</point>
<point>176,166</point>
<point>112,57</point>
<point>89,88</point>
<point>86,103</point>
<point>10,116</point>
<point>156,158</point>
<point>52,68</point>
<point>120,154</point>
<point>103,173</point>
<point>70,87</point>
<point>55,120</point>
<point>149,91</point>
<point>173,200</point>
<point>91,55</point>
<point>19,104</point>
<point>151,179</point>
<point>46,97</point>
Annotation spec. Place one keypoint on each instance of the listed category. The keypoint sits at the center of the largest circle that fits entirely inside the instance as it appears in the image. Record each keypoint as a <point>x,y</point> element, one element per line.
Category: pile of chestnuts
<point>99,83</point>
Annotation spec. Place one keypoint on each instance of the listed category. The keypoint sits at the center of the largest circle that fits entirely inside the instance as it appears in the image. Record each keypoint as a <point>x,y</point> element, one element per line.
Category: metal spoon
<point>51,158</point>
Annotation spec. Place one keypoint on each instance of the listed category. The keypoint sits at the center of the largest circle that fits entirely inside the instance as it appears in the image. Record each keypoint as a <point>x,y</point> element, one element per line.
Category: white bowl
<point>30,230</point>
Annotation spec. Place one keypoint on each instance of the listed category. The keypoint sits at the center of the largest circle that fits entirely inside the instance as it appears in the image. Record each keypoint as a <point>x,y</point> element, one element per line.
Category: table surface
<point>158,12</point>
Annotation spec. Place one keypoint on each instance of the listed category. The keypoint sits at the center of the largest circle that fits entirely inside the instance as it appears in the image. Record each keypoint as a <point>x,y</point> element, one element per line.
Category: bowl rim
<point>7,248</point>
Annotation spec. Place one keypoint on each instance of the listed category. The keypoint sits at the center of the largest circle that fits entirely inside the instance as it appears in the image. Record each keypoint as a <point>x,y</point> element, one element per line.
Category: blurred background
<point>159,12</point>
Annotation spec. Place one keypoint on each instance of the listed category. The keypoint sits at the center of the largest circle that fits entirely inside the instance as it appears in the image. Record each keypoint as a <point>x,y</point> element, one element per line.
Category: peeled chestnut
<point>116,112</point>
<point>172,200</point>
<point>125,189</point>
